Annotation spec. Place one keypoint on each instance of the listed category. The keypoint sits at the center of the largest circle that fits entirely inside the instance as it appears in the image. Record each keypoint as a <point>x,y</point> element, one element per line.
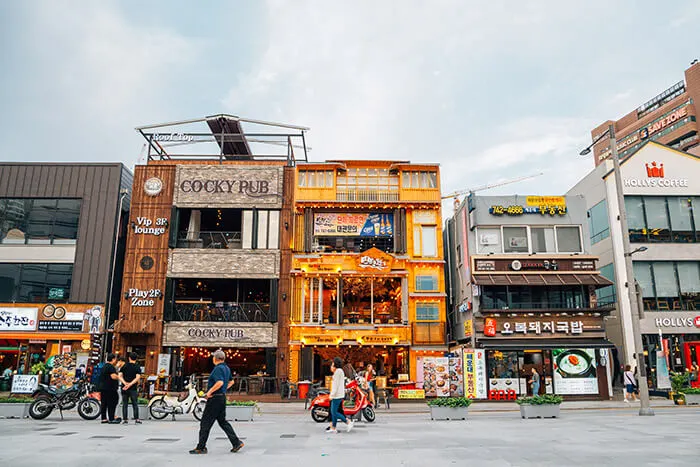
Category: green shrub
<point>143,401</point>
<point>690,391</point>
<point>679,381</point>
<point>547,399</point>
<point>452,402</point>
<point>15,400</point>
<point>242,403</point>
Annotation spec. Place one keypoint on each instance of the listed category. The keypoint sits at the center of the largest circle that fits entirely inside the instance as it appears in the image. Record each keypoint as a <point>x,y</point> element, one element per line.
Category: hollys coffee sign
<point>228,185</point>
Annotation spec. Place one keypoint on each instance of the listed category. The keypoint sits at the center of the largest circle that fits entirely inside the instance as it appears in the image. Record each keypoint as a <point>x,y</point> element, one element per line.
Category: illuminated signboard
<point>515,210</point>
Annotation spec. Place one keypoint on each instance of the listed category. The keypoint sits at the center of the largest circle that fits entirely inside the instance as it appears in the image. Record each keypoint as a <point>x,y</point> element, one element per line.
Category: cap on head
<point>219,355</point>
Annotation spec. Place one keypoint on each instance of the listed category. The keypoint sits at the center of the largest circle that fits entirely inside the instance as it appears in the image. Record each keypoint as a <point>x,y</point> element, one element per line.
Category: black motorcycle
<point>47,398</point>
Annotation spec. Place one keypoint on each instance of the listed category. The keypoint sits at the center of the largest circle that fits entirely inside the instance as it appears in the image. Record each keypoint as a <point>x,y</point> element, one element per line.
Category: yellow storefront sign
<point>546,201</point>
<point>411,394</point>
<point>468,328</point>
<point>321,339</point>
<point>378,340</point>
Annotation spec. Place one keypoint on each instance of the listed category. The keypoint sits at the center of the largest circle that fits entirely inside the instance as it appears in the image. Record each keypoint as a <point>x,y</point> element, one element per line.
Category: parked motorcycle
<point>47,398</point>
<point>164,404</point>
<point>321,405</point>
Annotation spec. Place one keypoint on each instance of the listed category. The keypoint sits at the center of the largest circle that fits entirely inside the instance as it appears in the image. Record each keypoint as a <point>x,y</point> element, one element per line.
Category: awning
<point>541,279</point>
<point>545,344</point>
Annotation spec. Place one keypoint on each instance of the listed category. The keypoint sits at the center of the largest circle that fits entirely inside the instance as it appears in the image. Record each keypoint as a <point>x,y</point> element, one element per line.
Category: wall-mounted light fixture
<point>286,225</point>
<point>284,296</point>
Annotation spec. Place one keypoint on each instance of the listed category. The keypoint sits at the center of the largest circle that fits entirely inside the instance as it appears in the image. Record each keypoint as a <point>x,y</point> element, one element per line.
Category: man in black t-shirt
<point>109,384</point>
<point>130,375</point>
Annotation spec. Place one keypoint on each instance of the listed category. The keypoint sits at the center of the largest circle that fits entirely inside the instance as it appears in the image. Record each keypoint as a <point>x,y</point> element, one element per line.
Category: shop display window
<point>663,219</point>
<point>669,285</point>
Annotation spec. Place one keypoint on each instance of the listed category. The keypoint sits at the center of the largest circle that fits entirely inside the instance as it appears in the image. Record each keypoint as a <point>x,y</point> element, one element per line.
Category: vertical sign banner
<point>663,380</point>
<point>163,364</point>
<point>475,374</point>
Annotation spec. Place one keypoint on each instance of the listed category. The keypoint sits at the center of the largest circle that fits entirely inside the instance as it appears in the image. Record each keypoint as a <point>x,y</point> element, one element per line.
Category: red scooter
<point>321,405</point>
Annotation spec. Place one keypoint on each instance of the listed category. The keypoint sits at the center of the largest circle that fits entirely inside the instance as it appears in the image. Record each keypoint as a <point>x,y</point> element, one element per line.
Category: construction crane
<point>458,193</point>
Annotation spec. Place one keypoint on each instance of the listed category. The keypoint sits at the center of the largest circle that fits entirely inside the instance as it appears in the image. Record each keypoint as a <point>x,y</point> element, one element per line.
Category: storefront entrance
<point>388,361</point>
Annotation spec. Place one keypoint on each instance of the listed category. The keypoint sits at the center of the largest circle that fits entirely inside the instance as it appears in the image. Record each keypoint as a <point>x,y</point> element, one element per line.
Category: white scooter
<point>164,404</point>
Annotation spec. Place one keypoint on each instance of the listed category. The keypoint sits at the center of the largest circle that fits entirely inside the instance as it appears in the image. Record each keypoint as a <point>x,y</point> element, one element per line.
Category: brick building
<point>669,118</point>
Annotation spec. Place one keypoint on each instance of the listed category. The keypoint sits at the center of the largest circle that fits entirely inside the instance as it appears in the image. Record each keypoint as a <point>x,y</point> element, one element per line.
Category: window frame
<point>434,281</point>
<point>432,305</point>
<point>52,237</point>
<point>418,240</point>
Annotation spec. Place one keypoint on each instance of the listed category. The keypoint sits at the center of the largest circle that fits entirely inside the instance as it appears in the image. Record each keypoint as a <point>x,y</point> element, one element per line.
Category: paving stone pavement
<point>582,437</point>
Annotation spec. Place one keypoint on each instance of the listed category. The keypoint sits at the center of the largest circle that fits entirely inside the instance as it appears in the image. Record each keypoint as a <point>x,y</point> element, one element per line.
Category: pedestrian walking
<point>109,395</point>
<point>694,376</point>
<point>130,375</point>
<point>370,378</point>
<point>630,384</point>
<point>535,382</point>
<point>337,395</point>
<point>215,410</point>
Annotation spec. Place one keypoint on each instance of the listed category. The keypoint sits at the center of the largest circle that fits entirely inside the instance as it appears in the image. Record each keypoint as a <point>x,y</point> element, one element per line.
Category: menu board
<point>63,372</point>
<point>436,376</point>
<point>574,371</point>
<point>456,377</point>
<point>354,224</point>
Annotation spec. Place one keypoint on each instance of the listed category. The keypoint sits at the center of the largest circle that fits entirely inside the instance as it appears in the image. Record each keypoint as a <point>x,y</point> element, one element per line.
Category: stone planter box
<point>14,410</point>
<point>539,411</point>
<point>692,399</point>
<point>240,413</point>
<point>449,413</point>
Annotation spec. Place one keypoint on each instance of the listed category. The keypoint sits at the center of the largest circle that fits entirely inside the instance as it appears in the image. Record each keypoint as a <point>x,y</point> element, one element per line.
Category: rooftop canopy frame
<point>183,140</point>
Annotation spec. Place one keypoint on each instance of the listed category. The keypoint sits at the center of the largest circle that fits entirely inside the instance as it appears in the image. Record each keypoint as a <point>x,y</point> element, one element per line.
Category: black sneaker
<point>199,451</point>
<point>238,448</point>
<point>137,421</point>
<point>125,422</point>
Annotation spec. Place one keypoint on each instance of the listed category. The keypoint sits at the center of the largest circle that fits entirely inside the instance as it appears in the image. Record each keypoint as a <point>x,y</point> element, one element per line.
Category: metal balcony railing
<point>226,312</point>
<point>210,239</point>
<point>429,333</point>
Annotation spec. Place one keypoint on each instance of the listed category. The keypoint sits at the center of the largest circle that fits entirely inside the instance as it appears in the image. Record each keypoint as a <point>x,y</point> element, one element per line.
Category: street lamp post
<point>645,408</point>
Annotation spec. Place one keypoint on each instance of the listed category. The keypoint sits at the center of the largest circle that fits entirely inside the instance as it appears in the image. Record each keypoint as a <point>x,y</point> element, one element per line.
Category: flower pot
<point>692,399</point>
<point>14,410</point>
<point>679,399</point>
<point>448,413</point>
<point>240,413</point>
<point>539,411</point>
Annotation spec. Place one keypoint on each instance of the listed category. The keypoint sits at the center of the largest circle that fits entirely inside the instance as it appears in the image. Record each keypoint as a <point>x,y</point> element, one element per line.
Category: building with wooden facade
<point>208,248</point>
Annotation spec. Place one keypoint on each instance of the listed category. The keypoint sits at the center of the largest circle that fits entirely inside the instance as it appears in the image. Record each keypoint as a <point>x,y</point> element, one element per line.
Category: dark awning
<point>228,131</point>
<point>541,279</point>
<point>545,344</point>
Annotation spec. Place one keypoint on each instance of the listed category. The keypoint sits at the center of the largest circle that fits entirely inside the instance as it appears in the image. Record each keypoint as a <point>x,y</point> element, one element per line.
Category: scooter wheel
<point>89,408</point>
<point>162,407</point>
<point>369,414</point>
<point>199,410</point>
<point>320,414</point>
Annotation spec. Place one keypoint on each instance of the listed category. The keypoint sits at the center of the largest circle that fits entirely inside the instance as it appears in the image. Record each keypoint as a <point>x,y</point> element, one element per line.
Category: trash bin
<point>303,388</point>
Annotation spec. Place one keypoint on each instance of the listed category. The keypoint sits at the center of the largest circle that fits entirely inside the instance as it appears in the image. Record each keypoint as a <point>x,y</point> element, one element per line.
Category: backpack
<point>96,379</point>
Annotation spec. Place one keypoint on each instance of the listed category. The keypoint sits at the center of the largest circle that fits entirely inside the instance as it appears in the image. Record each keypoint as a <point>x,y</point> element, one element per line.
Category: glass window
<point>606,295</point>
<point>666,284</point>
<point>494,297</point>
<point>680,210</point>
<point>568,239</point>
<point>432,179</point>
<point>689,278</point>
<point>13,220</point>
<point>643,275</point>
<point>329,179</point>
<point>426,283</point>
<point>429,240</point>
<point>543,240</point>
<point>515,240</point>
<point>634,207</point>
<point>65,229</point>
<point>427,312</point>
<point>415,183</point>
<point>9,281</point>
<point>33,285</point>
<point>489,240</point>
<point>311,178</point>
<point>302,178</point>
<point>598,222</point>
<point>58,280</point>
<point>657,219</point>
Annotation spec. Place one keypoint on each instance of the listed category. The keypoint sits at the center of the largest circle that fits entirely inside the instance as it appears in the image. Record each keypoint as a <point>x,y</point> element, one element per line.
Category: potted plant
<point>679,381</point>
<point>691,396</point>
<point>546,406</point>
<point>15,407</point>
<point>241,410</point>
<point>449,408</point>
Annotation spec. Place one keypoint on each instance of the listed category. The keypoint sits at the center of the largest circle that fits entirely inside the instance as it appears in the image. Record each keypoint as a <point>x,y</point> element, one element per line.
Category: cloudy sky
<point>488,89</point>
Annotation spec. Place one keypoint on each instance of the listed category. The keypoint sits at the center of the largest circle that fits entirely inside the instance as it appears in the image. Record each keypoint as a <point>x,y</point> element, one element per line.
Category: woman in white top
<point>337,395</point>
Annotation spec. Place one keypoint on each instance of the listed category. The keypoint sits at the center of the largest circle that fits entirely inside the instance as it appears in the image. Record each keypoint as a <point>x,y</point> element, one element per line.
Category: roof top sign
<point>656,169</point>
